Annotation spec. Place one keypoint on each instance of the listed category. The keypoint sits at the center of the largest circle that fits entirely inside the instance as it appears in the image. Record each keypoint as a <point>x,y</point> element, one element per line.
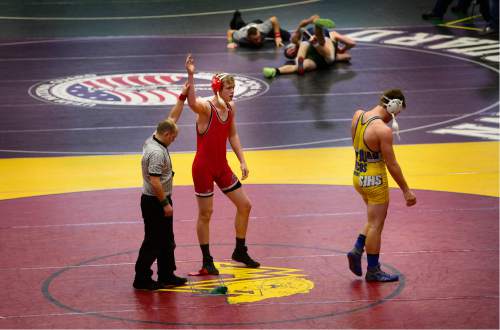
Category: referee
<point>156,206</point>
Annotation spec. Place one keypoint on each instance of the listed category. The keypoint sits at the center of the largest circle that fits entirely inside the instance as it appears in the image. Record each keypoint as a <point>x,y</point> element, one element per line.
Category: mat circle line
<point>47,294</point>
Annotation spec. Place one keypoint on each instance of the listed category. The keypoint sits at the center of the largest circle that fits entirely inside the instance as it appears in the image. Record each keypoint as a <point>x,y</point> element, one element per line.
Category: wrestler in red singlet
<point>215,126</point>
<point>210,163</point>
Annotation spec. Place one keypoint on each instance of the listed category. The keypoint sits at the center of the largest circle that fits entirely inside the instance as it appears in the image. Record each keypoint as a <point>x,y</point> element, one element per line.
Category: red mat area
<point>77,269</point>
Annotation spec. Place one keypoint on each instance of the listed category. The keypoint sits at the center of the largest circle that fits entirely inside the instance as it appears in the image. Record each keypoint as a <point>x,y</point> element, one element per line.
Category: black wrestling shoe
<point>146,285</point>
<point>236,15</point>
<point>431,16</point>
<point>459,10</point>
<point>172,280</point>
<point>487,31</point>
<point>236,22</point>
<point>241,255</point>
<point>208,268</point>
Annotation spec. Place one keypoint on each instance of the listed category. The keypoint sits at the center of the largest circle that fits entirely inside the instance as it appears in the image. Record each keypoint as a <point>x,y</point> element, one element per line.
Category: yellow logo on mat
<point>249,284</point>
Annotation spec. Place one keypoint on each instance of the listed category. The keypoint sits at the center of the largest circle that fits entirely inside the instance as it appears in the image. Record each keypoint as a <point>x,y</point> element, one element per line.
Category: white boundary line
<point>111,18</point>
<point>250,123</point>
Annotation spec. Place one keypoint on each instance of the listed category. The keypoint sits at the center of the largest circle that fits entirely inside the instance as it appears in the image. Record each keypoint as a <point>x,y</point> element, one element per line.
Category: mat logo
<point>486,127</point>
<point>135,89</point>
<point>477,48</point>
<point>246,285</point>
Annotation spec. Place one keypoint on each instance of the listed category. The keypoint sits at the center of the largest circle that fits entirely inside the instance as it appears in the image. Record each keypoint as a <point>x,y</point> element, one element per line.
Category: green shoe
<point>269,72</point>
<point>324,23</point>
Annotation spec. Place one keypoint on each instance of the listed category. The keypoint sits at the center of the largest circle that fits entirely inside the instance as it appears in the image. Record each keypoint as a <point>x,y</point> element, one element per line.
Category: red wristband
<point>277,35</point>
<point>182,97</point>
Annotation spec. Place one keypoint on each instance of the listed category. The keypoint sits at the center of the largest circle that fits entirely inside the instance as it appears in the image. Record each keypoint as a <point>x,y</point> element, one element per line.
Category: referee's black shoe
<point>172,280</point>
<point>241,255</point>
<point>146,285</point>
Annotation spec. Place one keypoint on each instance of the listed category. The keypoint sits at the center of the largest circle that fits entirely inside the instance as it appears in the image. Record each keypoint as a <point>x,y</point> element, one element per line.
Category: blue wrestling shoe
<point>375,274</point>
<point>354,257</point>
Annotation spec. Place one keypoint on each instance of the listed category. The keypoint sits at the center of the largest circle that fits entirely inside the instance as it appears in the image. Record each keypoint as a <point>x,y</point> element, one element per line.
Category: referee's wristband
<point>182,97</point>
<point>164,202</point>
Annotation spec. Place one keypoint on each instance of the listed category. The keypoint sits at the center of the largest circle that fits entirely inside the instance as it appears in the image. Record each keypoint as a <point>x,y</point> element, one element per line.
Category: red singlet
<point>210,163</point>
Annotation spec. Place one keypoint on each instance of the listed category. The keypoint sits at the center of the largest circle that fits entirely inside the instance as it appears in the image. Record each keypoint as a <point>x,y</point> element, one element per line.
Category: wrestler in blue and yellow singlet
<point>370,175</point>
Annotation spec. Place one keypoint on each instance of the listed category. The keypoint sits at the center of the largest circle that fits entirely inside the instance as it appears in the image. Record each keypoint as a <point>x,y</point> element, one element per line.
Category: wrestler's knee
<point>375,227</point>
<point>205,215</point>
<point>245,207</point>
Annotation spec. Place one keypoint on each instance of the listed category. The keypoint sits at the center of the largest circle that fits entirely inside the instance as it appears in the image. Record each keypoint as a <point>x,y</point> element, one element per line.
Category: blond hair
<point>226,79</point>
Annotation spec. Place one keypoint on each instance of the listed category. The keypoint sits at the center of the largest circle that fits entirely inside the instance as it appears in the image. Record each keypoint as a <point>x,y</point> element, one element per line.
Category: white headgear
<point>394,106</point>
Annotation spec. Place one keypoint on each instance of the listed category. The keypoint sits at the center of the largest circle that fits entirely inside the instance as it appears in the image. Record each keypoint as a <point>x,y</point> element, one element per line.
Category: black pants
<point>159,242</point>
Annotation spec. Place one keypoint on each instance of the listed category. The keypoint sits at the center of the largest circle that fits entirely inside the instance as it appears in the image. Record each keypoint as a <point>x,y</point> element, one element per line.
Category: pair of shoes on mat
<point>373,274</point>
<point>240,255</point>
